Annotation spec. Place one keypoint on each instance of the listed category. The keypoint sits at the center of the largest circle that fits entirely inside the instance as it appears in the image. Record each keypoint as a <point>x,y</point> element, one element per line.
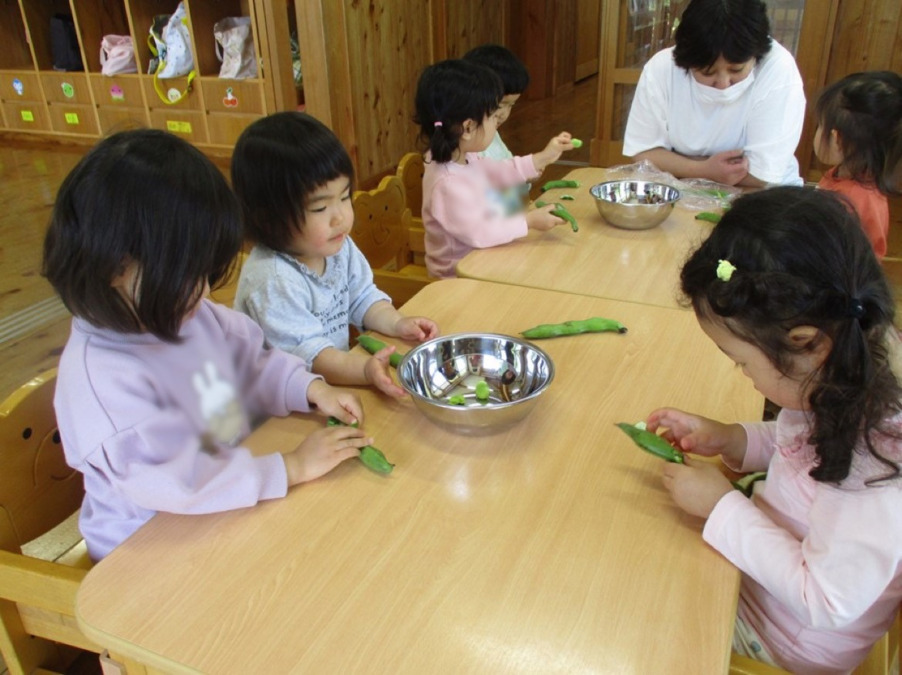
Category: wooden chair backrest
<point>410,171</point>
<point>38,490</point>
<point>382,224</point>
<point>225,294</point>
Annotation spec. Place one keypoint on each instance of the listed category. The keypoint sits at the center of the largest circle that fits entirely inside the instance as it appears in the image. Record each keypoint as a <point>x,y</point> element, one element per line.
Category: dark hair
<point>449,93</point>
<point>148,198</point>
<point>866,110</point>
<point>738,30</point>
<point>504,63</point>
<point>802,259</point>
<point>278,162</point>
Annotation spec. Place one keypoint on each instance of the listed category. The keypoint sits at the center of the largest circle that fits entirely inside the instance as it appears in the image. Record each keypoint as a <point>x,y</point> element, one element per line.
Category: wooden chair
<point>879,661</point>
<point>225,294</point>
<point>382,231</point>
<point>410,171</point>
<point>38,491</point>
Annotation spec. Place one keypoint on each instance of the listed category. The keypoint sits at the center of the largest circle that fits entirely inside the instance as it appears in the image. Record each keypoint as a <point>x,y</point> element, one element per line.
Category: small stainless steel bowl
<point>515,372</point>
<point>634,204</point>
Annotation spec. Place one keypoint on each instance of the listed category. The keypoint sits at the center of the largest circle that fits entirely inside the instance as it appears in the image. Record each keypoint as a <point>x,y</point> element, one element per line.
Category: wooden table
<point>600,260</point>
<point>549,548</point>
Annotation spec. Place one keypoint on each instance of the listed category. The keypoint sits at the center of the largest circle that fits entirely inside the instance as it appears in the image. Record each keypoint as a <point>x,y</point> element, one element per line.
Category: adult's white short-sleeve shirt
<point>670,111</point>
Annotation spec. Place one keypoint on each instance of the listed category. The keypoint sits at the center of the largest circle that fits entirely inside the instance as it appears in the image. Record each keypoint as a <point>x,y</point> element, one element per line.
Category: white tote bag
<point>235,47</point>
<point>172,45</point>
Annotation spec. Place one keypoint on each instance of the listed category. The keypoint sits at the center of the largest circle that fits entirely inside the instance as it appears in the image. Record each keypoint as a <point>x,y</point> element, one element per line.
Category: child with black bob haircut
<point>305,280</point>
<point>859,132</point>
<point>788,287</point>
<point>157,385</point>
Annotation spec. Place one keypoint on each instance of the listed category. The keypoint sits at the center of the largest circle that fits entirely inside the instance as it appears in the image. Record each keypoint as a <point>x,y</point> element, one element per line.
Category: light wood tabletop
<point>550,547</point>
<point>599,260</point>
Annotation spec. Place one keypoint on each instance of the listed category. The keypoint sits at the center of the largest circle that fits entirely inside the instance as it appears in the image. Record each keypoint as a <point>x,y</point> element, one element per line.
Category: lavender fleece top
<point>463,208</point>
<point>821,563</point>
<point>155,426</point>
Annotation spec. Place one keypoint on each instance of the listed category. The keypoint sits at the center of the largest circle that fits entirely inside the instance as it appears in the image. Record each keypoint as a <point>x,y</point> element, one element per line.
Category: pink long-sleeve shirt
<point>156,426</point>
<point>821,563</point>
<point>462,209</point>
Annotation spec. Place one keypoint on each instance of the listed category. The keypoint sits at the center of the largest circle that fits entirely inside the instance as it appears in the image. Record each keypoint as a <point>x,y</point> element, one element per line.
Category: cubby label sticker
<point>230,100</point>
<point>18,87</point>
<point>27,116</point>
<point>68,90</point>
<point>178,127</point>
<point>71,118</point>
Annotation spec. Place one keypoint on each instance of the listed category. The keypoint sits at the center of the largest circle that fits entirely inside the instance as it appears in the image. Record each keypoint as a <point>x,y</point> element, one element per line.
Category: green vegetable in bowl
<point>651,442</point>
<point>482,390</point>
<point>457,399</point>
<point>371,457</point>
<point>372,345</point>
<point>594,325</point>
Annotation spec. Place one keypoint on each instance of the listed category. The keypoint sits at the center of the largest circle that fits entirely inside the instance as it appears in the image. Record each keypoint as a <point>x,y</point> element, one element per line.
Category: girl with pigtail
<point>788,287</point>
<point>860,133</point>
<point>456,106</point>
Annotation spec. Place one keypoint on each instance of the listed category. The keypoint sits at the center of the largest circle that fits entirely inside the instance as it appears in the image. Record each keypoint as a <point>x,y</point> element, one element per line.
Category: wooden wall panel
<point>470,23</point>
<point>388,45</point>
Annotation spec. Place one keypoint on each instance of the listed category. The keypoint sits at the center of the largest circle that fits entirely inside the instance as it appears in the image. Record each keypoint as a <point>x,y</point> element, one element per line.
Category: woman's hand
<point>417,328</point>
<point>541,218</point>
<point>728,167</point>
<point>322,451</point>
<point>700,435</point>
<point>553,151</point>
<point>333,402</point>
<point>377,371</point>
<point>695,486</point>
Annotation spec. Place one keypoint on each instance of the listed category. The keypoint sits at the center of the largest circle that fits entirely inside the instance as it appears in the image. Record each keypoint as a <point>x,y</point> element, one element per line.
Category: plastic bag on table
<point>696,194</point>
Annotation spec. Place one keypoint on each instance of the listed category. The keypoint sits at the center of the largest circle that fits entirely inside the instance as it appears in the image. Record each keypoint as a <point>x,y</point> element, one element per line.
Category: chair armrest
<point>40,583</point>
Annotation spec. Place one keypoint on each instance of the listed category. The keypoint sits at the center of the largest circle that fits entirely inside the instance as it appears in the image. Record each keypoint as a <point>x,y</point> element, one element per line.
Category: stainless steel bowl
<point>634,204</point>
<point>515,371</point>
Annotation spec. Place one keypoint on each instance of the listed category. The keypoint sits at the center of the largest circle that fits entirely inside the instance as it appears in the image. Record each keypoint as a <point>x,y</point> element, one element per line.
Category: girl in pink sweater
<point>788,287</point>
<point>456,107</point>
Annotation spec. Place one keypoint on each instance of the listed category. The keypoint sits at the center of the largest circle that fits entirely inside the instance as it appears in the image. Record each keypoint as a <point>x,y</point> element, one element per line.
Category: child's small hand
<point>541,218</point>
<point>377,371</point>
<point>553,151</point>
<point>333,402</point>
<point>695,486</point>
<point>417,328</point>
<point>700,435</point>
<point>728,167</point>
<point>322,451</point>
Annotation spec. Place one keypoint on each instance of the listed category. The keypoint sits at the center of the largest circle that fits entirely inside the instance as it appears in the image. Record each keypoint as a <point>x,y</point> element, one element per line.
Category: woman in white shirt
<point>725,103</point>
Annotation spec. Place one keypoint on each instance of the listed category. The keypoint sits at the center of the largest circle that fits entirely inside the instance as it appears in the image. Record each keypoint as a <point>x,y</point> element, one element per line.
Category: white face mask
<point>714,95</point>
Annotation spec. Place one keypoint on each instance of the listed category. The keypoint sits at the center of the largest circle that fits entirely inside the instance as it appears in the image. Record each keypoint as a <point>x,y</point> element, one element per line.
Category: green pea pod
<point>564,214</point>
<point>568,198</point>
<point>651,442</point>
<point>372,345</point>
<point>371,457</point>
<point>552,184</point>
<point>457,399</point>
<point>746,484</point>
<point>576,142</point>
<point>593,325</point>
<point>709,216</point>
<point>540,203</point>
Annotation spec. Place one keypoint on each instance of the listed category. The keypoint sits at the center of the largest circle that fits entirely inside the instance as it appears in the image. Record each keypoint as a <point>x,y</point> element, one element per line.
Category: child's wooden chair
<point>225,294</point>
<point>38,491</point>
<point>410,171</point>
<point>382,232</point>
<point>879,661</point>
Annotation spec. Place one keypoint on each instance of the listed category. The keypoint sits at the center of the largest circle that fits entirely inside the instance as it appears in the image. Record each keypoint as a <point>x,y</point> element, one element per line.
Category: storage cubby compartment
<point>15,54</point>
<point>96,18</point>
<point>38,15</point>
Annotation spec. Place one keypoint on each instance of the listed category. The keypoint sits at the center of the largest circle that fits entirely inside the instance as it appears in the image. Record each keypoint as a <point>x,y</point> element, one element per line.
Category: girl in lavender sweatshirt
<point>456,107</point>
<point>157,386</point>
<point>789,288</point>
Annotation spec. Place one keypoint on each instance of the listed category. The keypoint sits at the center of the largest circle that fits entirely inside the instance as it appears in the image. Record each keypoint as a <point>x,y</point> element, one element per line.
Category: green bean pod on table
<point>372,345</point>
<point>651,442</point>
<point>596,324</point>
<point>371,457</point>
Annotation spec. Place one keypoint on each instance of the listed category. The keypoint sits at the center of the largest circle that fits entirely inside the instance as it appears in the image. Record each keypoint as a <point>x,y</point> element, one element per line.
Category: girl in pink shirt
<point>788,287</point>
<point>860,133</point>
<point>457,104</point>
